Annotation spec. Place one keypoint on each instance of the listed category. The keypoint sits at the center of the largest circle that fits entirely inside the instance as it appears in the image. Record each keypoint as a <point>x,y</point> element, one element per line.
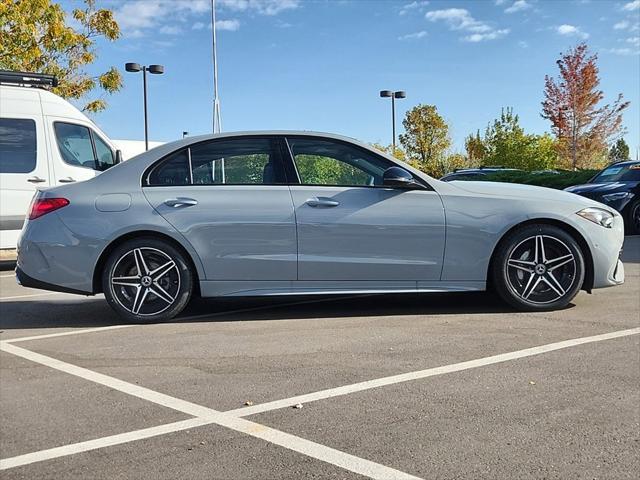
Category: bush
<point>560,180</point>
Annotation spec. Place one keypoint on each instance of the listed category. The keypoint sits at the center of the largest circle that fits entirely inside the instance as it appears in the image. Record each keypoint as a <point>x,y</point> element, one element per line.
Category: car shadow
<point>95,312</point>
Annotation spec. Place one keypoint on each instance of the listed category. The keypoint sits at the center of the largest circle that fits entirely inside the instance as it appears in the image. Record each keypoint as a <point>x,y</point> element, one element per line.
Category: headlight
<point>597,215</point>
<point>612,197</point>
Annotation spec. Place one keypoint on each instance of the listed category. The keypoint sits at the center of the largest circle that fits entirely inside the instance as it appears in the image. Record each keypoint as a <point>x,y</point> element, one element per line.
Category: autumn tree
<point>389,149</point>
<point>426,139</point>
<point>475,148</point>
<point>619,151</point>
<point>572,105</point>
<point>35,37</point>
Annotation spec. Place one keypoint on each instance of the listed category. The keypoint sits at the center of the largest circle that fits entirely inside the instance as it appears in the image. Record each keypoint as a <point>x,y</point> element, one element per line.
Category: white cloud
<point>198,26</point>
<point>413,36</point>
<point>624,51</point>
<point>229,25</point>
<point>635,41</point>
<point>523,44</point>
<point>461,19</point>
<point>631,6</point>
<point>572,31</point>
<point>481,37</point>
<point>416,5</point>
<point>170,30</point>
<point>518,6</point>
<point>263,7</point>
<point>500,2</point>
<point>623,25</point>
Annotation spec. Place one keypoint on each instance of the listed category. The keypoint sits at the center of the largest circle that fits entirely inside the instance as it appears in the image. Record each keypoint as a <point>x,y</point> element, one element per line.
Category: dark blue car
<point>617,186</point>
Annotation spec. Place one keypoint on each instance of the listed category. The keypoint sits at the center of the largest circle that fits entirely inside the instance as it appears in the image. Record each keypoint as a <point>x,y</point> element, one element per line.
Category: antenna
<point>217,120</point>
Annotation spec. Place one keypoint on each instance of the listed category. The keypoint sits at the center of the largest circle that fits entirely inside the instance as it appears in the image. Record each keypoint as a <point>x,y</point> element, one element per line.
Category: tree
<point>571,104</point>
<point>35,37</point>
<point>619,151</point>
<point>397,153</point>
<point>426,139</point>
<point>505,143</point>
<point>476,149</point>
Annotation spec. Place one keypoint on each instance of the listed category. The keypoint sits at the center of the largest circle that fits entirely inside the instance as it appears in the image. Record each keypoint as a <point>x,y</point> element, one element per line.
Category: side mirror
<point>399,177</point>
<point>118,156</point>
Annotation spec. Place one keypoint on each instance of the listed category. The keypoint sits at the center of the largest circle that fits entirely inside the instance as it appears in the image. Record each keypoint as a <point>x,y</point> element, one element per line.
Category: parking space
<point>394,386</point>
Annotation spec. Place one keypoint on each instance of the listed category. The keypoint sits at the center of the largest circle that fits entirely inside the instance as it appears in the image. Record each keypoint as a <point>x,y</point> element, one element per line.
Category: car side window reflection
<point>246,161</point>
<point>323,162</point>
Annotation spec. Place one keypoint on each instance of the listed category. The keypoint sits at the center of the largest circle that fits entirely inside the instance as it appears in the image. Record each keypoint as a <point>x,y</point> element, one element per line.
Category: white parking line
<point>326,454</point>
<point>44,294</point>
<point>430,372</point>
<point>7,275</point>
<point>118,439</point>
<point>71,332</point>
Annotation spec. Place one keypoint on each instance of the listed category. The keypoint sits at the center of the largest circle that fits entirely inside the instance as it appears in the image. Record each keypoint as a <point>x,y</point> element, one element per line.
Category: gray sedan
<point>282,213</point>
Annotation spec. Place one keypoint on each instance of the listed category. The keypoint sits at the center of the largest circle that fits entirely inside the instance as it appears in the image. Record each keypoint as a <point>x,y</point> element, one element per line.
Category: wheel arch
<point>102,260</point>
<point>587,284</point>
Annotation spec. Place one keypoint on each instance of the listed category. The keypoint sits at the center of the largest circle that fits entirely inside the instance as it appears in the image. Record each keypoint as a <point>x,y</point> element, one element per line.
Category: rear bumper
<point>30,282</point>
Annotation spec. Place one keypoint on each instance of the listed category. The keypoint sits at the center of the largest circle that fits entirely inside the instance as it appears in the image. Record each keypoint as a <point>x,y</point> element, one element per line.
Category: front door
<point>351,227</point>
<point>229,199</point>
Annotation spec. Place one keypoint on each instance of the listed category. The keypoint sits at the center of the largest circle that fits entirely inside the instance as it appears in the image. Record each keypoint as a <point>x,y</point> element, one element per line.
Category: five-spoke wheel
<point>538,267</point>
<point>147,280</point>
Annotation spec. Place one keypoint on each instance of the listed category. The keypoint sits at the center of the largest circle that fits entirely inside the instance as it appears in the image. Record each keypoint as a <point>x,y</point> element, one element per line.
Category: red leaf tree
<point>571,103</point>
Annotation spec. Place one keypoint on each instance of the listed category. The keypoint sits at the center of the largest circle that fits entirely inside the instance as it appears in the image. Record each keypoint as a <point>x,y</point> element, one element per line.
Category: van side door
<point>23,168</point>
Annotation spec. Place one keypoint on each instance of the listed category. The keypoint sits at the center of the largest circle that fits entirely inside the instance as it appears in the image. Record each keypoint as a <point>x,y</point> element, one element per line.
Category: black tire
<point>632,219</point>
<point>543,282</point>
<point>142,290</point>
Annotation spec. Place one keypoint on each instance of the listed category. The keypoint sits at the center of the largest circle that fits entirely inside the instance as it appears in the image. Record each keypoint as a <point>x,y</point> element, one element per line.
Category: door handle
<point>321,202</point>
<point>180,202</point>
<point>35,179</point>
<point>67,180</point>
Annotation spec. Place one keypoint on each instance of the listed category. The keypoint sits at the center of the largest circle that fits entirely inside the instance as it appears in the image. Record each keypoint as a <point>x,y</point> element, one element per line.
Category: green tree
<point>35,37</point>
<point>619,151</point>
<point>476,149</point>
<point>506,144</point>
<point>426,139</point>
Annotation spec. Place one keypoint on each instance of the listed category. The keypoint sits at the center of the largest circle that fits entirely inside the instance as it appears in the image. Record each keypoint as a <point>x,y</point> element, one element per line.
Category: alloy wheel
<point>541,269</point>
<point>145,281</point>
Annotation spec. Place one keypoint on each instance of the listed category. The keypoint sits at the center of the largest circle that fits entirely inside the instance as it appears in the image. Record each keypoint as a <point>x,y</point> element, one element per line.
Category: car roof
<point>624,163</point>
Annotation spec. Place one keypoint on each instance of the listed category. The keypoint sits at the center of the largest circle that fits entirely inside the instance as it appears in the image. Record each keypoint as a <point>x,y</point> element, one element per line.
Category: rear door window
<point>18,150</point>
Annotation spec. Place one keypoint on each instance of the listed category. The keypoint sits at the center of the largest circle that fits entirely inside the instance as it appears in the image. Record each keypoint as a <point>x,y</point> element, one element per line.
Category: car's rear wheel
<point>633,218</point>
<point>538,268</point>
<point>147,280</point>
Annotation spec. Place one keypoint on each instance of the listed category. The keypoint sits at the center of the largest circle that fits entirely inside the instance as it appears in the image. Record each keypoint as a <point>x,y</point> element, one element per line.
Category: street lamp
<point>154,69</point>
<point>393,95</point>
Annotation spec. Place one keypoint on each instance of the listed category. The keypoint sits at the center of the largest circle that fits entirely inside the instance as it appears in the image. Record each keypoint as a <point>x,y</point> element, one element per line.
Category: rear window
<point>619,173</point>
<point>17,145</point>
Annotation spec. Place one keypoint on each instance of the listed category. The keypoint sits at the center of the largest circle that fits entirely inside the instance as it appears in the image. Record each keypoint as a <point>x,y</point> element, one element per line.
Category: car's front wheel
<point>147,280</point>
<point>538,267</point>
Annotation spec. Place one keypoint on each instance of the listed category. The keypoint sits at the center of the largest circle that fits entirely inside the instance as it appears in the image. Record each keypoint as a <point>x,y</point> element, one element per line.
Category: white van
<point>44,141</point>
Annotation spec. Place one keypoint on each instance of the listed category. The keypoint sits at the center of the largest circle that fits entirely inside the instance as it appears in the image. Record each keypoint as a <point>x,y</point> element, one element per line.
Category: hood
<point>600,187</point>
<point>516,190</point>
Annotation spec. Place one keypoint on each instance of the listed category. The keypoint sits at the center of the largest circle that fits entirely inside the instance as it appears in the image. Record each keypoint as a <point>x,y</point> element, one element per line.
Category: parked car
<point>617,186</point>
<point>268,213</point>
<point>44,141</point>
<point>474,173</point>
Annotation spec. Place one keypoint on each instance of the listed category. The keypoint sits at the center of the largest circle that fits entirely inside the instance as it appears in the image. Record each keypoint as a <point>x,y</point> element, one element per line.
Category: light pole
<point>393,95</point>
<point>153,69</point>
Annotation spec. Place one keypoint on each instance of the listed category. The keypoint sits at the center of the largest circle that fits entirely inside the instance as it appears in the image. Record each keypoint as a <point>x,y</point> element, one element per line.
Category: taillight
<point>42,206</point>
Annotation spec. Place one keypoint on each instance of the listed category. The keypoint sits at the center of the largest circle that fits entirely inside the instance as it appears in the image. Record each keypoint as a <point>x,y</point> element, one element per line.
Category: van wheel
<point>538,268</point>
<point>147,280</point>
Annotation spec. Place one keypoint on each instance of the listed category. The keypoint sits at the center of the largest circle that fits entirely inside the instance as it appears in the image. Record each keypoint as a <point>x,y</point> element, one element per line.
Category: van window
<point>17,145</point>
<point>74,143</point>
<point>106,157</point>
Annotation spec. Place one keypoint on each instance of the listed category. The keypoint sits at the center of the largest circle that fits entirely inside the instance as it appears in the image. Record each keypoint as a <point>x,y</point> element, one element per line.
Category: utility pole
<point>217,120</point>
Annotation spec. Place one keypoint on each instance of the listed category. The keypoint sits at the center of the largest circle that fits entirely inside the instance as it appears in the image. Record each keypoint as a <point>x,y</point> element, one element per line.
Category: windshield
<point>619,173</point>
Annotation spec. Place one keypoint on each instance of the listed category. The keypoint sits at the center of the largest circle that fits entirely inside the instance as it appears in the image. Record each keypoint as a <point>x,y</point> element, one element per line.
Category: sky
<point>320,64</point>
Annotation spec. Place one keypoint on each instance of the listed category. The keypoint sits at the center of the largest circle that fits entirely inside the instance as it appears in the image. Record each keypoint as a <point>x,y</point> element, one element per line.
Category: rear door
<point>23,168</point>
<point>351,227</point>
<point>229,199</point>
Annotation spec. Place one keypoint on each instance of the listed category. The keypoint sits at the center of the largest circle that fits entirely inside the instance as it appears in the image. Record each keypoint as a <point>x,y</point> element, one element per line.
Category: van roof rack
<point>27,79</point>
